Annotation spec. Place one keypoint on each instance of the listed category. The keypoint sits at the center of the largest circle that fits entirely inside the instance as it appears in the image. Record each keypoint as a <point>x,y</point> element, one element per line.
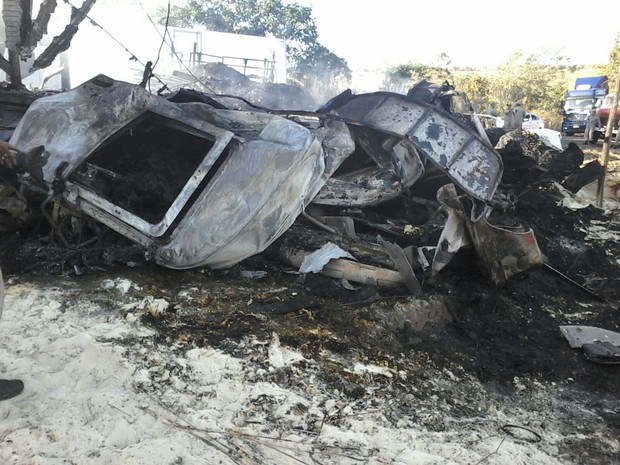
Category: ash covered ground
<point>480,374</point>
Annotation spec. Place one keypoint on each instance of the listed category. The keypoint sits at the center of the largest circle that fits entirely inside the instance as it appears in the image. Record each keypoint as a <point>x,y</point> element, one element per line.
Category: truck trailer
<point>588,92</point>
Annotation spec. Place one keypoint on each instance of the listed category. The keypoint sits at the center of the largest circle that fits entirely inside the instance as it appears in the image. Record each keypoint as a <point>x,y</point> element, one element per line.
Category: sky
<point>376,34</point>
<point>370,36</point>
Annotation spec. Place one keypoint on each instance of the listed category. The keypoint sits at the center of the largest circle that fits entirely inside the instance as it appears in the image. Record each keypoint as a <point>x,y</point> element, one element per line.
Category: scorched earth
<point>132,363</point>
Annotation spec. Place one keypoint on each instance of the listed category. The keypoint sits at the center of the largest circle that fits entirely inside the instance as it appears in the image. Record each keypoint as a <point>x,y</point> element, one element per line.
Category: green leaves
<point>614,60</point>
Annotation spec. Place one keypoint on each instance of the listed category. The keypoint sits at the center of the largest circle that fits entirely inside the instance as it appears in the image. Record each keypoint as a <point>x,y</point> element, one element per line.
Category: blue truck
<point>588,92</point>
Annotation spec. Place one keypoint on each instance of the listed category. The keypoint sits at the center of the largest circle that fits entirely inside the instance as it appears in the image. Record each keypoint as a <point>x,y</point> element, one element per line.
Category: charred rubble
<point>381,189</point>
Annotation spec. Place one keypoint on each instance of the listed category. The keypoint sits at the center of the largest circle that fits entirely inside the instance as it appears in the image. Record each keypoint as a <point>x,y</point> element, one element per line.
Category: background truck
<point>603,111</point>
<point>588,92</point>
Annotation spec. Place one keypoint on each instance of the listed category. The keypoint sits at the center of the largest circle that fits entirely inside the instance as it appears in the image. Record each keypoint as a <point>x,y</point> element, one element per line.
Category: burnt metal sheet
<point>364,187</point>
<point>403,265</point>
<point>398,167</point>
<point>578,335</point>
<point>504,252</point>
<point>599,345</point>
<point>602,352</point>
<point>71,125</point>
<point>469,161</point>
<point>375,168</point>
<point>256,196</point>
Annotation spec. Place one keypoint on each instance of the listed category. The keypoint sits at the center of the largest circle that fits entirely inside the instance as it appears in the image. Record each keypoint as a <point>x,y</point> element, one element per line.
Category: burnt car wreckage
<point>204,180</point>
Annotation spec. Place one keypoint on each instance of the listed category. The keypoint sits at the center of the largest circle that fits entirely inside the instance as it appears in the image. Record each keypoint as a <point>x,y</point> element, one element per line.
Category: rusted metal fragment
<point>403,265</point>
<point>469,161</point>
<point>503,252</point>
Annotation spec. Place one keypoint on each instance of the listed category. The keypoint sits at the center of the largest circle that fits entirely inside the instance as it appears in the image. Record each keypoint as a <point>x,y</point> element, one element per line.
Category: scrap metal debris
<point>599,345</point>
<point>503,251</point>
<point>440,136</point>
<point>201,179</point>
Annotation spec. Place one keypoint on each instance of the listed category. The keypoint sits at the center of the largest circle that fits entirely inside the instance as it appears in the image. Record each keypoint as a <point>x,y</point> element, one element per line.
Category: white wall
<point>94,51</point>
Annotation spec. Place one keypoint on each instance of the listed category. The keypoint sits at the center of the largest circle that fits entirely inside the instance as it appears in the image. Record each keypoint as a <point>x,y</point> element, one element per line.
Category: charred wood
<point>61,42</point>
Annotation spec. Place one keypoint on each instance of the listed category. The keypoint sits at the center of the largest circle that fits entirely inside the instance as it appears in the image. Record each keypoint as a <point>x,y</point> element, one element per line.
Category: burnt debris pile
<point>379,189</point>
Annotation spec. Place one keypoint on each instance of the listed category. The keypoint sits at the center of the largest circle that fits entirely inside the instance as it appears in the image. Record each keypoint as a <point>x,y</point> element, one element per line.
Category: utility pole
<point>607,141</point>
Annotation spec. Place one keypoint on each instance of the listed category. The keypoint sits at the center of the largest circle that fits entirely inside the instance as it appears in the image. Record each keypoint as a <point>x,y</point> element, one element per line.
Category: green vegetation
<point>539,82</point>
<point>611,69</point>
<point>539,86</point>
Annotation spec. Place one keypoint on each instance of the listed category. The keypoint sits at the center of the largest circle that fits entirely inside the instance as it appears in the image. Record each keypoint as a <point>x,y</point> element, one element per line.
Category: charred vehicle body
<point>164,176</point>
<point>207,180</point>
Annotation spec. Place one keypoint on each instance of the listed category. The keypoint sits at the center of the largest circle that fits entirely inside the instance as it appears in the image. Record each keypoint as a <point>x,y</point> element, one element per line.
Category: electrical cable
<point>163,39</point>
<point>170,44</point>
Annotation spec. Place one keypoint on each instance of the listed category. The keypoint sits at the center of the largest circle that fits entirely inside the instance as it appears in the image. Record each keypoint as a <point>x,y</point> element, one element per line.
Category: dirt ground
<point>461,348</point>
